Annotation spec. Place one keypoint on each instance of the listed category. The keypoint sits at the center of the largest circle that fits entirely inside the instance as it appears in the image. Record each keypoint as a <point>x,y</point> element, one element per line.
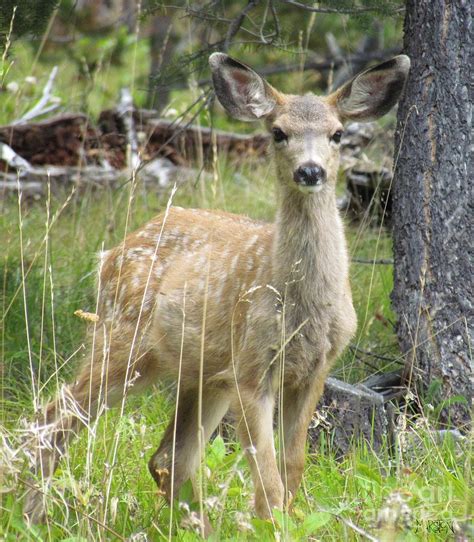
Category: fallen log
<point>60,141</point>
<point>33,184</point>
<point>73,140</point>
<point>179,142</point>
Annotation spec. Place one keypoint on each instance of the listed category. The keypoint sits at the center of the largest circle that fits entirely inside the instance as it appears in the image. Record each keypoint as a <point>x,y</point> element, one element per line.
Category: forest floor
<point>103,490</point>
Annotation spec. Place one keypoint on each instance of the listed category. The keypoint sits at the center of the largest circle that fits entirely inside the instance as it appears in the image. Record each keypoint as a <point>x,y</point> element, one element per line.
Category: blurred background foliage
<point>160,49</point>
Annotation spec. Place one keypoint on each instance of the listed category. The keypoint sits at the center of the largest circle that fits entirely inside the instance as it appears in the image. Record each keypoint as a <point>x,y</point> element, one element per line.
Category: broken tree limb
<point>46,104</point>
<point>125,110</point>
<point>71,140</point>
<point>12,159</point>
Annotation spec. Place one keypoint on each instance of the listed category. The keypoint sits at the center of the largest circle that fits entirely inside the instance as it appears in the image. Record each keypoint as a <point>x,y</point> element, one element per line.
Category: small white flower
<point>138,537</point>
<point>212,503</point>
<point>243,522</point>
<point>13,87</point>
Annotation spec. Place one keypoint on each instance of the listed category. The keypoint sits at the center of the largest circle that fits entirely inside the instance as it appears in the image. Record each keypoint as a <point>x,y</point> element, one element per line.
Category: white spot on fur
<point>251,242</point>
<point>122,293</point>
<point>136,282</point>
<point>260,250</point>
<point>103,254</point>
<point>234,263</point>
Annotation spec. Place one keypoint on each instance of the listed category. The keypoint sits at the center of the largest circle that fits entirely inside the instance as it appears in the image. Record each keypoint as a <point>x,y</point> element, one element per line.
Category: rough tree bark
<point>432,205</point>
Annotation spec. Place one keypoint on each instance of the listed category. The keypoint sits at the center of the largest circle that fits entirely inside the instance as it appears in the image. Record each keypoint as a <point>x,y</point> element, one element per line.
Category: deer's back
<point>188,268</point>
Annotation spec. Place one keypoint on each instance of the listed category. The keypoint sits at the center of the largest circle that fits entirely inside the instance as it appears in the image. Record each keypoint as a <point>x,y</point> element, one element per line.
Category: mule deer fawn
<point>238,312</point>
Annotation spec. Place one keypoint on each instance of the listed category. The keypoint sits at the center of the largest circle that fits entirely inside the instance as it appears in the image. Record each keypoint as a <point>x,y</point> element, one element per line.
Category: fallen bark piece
<point>72,140</point>
<point>350,413</point>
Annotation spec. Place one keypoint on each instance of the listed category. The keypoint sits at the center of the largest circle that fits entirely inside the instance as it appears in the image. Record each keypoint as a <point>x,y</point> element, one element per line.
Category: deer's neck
<point>310,256</point>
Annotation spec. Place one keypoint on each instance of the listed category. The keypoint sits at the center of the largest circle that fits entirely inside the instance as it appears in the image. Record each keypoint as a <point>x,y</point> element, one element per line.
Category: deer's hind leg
<point>111,371</point>
<point>180,451</point>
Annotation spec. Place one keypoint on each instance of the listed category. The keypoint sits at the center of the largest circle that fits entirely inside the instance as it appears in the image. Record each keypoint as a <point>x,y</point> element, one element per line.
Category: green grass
<point>55,243</point>
<point>430,478</point>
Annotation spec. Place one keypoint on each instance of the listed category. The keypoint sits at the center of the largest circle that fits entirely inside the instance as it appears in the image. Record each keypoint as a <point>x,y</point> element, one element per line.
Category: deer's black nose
<point>309,174</point>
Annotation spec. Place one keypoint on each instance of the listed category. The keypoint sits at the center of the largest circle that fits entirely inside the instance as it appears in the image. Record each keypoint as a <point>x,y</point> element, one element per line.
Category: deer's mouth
<point>310,188</point>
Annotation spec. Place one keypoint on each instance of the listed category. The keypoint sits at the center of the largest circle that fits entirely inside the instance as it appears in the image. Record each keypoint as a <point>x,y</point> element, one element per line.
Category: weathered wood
<point>63,140</point>
<point>350,413</point>
<point>182,143</point>
<point>157,175</point>
<point>72,140</point>
<point>433,230</point>
<point>369,191</point>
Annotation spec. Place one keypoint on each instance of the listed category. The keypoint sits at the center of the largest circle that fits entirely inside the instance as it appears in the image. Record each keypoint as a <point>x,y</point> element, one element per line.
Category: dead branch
<point>236,23</point>
<point>14,160</point>
<point>42,107</point>
<point>125,110</point>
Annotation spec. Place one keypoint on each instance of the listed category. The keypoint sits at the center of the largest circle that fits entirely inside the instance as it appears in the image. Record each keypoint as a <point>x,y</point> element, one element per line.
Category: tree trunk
<point>432,207</point>
<point>161,51</point>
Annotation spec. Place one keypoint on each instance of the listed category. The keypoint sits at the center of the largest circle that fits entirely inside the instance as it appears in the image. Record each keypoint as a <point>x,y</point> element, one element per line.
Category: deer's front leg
<point>255,432</point>
<point>298,408</point>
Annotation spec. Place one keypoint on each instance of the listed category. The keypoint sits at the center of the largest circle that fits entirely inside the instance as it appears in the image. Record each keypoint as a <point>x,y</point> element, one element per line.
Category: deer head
<point>306,130</point>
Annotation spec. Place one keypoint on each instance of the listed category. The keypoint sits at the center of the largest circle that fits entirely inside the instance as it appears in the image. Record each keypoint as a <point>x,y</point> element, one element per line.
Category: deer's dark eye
<point>336,136</point>
<point>278,135</point>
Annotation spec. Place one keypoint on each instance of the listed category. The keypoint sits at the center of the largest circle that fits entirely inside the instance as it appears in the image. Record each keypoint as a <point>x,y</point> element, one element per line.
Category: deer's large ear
<point>373,92</point>
<point>242,92</point>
